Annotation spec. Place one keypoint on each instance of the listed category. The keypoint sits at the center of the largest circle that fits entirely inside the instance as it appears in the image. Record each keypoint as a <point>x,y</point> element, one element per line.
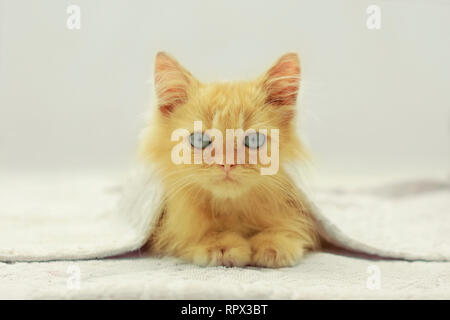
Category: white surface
<point>318,276</point>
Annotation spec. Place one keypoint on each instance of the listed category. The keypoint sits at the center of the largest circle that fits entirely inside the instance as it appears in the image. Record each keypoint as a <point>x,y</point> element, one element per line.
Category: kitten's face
<point>266,105</point>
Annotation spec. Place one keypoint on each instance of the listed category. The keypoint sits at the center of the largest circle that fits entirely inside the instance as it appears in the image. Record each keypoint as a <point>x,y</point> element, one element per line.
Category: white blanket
<point>318,276</point>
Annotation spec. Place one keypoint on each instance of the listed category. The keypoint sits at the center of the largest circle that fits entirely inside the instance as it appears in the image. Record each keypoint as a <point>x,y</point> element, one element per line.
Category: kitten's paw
<point>230,250</point>
<point>274,251</point>
<point>272,257</point>
<point>228,256</point>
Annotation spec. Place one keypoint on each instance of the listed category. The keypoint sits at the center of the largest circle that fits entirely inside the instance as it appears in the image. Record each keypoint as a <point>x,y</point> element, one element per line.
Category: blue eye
<point>199,140</point>
<point>254,140</point>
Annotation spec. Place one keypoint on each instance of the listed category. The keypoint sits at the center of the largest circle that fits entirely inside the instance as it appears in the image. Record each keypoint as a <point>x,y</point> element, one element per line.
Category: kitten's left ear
<point>281,81</point>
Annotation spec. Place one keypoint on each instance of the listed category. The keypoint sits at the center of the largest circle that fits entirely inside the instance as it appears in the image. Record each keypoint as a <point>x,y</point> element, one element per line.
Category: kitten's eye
<point>254,140</point>
<point>199,140</point>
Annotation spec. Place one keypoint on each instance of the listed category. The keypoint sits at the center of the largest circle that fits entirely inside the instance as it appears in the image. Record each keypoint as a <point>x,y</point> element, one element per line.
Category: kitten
<point>220,213</point>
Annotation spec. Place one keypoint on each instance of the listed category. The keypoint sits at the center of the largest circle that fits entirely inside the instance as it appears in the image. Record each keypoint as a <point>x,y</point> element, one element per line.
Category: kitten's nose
<point>227,167</point>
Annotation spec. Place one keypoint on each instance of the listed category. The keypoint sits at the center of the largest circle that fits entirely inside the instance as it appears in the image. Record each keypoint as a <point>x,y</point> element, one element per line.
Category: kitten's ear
<point>281,81</point>
<point>172,83</point>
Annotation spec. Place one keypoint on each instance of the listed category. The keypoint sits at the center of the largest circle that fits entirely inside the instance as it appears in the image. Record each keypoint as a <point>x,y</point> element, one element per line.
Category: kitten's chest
<point>240,219</point>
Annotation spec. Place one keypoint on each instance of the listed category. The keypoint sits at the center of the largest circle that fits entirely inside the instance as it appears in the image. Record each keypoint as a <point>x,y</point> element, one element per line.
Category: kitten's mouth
<point>229,179</point>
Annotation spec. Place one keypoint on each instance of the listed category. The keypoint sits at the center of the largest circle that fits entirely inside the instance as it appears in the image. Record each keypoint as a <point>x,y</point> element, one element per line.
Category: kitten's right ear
<point>172,83</point>
<point>281,81</point>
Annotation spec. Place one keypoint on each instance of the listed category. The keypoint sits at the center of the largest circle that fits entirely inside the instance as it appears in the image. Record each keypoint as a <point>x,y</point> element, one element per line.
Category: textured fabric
<point>49,217</point>
<point>412,226</point>
<point>318,276</point>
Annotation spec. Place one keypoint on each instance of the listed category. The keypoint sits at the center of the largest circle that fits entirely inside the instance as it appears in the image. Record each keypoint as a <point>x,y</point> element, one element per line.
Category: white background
<point>374,102</point>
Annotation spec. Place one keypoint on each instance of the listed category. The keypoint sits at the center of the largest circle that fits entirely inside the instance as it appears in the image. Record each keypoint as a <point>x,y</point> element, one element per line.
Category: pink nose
<point>227,167</point>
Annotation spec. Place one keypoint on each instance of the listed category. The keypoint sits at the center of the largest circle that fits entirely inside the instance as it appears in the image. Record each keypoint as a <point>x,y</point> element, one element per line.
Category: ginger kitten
<point>228,213</point>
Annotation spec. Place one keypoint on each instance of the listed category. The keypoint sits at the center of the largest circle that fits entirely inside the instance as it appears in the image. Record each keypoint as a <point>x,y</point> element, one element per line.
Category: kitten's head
<point>263,108</point>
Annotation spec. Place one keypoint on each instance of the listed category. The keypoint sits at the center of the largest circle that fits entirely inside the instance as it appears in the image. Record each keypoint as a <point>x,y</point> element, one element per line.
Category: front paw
<point>230,250</point>
<point>275,251</point>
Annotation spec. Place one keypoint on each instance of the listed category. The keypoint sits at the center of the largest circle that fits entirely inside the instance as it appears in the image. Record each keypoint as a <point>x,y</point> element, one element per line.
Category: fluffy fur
<point>248,219</point>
